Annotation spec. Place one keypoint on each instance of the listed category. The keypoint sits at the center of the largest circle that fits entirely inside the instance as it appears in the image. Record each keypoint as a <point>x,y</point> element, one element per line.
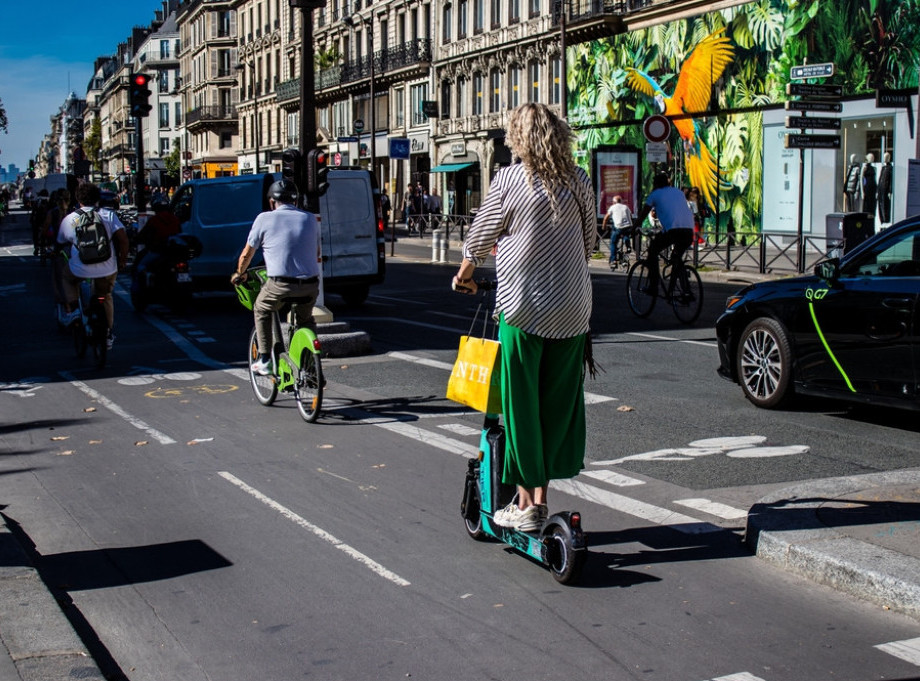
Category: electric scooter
<point>560,544</point>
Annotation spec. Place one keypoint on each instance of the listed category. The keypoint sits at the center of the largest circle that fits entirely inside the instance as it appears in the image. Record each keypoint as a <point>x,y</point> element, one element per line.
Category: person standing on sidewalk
<point>540,214</point>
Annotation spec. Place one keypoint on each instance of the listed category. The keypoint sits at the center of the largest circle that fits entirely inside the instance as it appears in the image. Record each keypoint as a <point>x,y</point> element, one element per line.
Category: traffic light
<point>317,182</point>
<point>292,166</point>
<point>138,94</point>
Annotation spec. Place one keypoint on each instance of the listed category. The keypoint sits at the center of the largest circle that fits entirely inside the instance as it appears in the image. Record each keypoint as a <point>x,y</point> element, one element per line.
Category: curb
<point>40,640</point>
<point>784,529</point>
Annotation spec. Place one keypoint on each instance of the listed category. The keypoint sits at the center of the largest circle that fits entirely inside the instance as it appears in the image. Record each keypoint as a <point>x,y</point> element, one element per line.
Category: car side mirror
<point>829,270</point>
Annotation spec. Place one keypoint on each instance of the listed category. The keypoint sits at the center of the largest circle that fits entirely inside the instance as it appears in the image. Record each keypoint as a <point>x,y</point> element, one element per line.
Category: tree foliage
<point>3,121</point>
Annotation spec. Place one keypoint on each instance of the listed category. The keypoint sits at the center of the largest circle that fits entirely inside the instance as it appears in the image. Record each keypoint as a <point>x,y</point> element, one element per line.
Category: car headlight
<point>733,300</point>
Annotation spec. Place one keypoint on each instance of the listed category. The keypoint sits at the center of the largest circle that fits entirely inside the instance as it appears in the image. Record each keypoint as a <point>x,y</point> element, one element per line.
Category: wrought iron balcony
<point>211,114</point>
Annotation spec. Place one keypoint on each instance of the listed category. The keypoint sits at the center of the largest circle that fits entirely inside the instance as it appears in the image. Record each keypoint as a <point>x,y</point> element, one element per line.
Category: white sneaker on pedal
<point>68,318</point>
<point>109,341</point>
<point>506,516</point>
<point>262,368</point>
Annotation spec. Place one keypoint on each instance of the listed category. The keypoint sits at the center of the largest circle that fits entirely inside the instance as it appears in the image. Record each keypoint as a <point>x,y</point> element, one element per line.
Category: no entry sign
<point>656,128</point>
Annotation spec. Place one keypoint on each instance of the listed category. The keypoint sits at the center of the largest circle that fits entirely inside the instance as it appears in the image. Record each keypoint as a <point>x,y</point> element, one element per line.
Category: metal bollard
<point>435,245</point>
<point>445,246</point>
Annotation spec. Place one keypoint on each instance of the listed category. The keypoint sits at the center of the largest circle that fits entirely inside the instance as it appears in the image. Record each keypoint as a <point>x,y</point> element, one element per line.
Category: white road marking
<point>427,437</point>
<point>460,429</point>
<point>767,452</point>
<point>907,650</point>
<point>743,676</point>
<point>590,398</point>
<point>162,438</point>
<point>613,478</point>
<point>713,508</point>
<point>23,388</point>
<point>673,340</point>
<point>367,562</point>
<point>639,509</point>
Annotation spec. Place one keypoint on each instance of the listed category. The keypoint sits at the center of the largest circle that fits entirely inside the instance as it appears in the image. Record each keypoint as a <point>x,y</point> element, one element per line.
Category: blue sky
<point>47,49</point>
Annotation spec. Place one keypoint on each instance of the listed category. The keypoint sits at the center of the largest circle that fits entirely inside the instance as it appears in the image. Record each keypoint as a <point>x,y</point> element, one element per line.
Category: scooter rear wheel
<point>564,561</point>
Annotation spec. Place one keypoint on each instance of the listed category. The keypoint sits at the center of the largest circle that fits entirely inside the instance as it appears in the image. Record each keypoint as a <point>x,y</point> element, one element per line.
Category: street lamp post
<point>369,25</point>
<point>255,110</point>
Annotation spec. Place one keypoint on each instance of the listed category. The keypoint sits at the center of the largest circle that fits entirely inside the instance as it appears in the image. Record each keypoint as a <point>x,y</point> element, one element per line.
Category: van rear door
<point>349,226</point>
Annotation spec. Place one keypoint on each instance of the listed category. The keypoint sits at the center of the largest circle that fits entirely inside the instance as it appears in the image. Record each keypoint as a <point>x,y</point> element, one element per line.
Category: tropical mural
<point>714,74</point>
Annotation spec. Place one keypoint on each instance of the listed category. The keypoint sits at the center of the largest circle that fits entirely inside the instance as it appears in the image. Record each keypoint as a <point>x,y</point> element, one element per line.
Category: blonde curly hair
<point>543,142</point>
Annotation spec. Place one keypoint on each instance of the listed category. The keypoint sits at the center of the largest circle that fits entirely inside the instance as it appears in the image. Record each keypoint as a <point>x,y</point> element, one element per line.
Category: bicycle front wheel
<point>640,296</point>
<point>264,387</point>
<point>308,388</point>
<point>687,295</point>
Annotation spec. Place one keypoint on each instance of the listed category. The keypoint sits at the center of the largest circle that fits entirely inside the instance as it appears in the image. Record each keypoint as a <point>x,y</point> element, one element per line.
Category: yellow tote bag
<point>476,377</point>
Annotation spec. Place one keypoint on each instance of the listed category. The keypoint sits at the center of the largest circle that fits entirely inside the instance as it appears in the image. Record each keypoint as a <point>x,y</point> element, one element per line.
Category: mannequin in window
<point>884,190</point>
<point>869,186</point>
<point>851,186</point>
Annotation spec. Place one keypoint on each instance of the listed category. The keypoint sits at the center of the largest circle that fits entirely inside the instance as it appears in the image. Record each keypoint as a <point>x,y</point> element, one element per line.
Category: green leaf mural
<point>874,43</point>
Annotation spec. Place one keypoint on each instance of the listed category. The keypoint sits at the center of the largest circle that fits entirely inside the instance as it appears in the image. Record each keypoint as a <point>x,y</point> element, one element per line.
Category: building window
<point>417,95</point>
<point>478,15</point>
<point>555,91</point>
<point>223,63</point>
<point>514,11</point>
<point>178,111</point>
<point>293,129</point>
<point>478,86</point>
<point>462,94</point>
<point>163,81</point>
<point>164,146</point>
<point>223,24</point>
<point>226,140</point>
<point>445,99</point>
<point>447,22</point>
<point>399,113</point>
<point>515,94</point>
<point>534,7</point>
<point>496,12</point>
<point>164,115</point>
<point>533,81</point>
<point>164,49</point>
<point>495,89</point>
<point>462,13</point>
<point>341,118</point>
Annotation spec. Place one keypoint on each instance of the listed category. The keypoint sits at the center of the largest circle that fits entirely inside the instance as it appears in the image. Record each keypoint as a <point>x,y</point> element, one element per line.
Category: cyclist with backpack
<point>98,250</point>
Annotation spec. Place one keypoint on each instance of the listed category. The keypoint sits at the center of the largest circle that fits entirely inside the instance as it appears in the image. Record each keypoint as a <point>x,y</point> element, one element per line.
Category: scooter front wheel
<point>472,517</point>
<point>564,561</point>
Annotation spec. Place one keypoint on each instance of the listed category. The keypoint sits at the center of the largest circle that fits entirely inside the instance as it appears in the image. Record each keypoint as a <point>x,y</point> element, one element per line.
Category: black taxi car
<point>851,331</point>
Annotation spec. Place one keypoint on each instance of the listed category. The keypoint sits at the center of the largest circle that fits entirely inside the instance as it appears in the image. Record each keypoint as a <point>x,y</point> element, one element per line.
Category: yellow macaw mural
<point>699,71</point>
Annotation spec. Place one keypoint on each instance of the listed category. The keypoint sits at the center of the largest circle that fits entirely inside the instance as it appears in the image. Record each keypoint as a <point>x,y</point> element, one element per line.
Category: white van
<point>219,212</point>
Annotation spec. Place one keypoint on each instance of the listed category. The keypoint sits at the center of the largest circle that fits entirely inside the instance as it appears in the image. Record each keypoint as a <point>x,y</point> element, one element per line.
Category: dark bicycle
<point>679,284</point>
<point>90,329</point>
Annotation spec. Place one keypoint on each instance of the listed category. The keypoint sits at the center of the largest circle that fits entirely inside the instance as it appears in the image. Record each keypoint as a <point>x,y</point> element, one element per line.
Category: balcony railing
<point>390,59</point>
<point>207,114</point>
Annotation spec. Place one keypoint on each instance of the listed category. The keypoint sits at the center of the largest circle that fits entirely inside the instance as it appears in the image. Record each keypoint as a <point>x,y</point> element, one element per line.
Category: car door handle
<point>904,304</point>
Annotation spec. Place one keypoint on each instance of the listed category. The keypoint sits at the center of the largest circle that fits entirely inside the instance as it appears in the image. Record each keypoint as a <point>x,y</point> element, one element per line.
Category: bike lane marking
<point>908,650</point>
<point>162,438</point>
<point>368,562</point>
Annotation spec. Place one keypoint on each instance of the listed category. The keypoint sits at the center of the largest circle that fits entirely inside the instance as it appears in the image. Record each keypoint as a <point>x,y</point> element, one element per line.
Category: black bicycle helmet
<point>283,191</point>
<point>159,204</point>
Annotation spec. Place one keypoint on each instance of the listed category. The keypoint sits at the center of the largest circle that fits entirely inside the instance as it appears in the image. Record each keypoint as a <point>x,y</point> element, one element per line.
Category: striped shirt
<point>542,264</point>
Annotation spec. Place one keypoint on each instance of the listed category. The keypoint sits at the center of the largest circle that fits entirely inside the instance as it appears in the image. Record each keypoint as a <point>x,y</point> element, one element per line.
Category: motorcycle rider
<point>154,235</point>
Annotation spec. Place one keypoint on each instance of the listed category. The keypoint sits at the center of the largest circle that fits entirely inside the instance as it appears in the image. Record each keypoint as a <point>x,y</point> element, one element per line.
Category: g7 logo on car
<point>815,294</point>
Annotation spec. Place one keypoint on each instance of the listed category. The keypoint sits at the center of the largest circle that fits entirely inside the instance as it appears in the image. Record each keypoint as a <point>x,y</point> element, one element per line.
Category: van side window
<point>182,204</point>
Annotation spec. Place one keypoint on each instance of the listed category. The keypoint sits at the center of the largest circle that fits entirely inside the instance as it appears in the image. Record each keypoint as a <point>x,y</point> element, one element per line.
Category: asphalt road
<point>202,536</point>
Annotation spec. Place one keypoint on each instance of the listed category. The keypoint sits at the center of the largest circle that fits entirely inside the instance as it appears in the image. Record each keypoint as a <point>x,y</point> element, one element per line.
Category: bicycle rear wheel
<point>308,388</point>
<point>78,329</point>
<point>686,293</point>
<point>264,387</point>
<point>640,296</point>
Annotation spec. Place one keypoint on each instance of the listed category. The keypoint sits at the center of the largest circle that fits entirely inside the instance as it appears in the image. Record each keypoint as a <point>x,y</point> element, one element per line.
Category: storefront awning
<point>451,167</point>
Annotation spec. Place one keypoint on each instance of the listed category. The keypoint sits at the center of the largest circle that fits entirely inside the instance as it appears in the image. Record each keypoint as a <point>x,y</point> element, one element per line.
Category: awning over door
<point>451,167</point>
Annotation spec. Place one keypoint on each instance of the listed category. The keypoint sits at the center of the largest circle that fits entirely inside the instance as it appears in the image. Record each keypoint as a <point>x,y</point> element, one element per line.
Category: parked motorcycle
<point>164,277</point>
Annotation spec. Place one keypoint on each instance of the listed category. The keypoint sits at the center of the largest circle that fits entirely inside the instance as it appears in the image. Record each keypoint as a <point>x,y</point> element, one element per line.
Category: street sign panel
<point>812,141</point>
<point>345,139</point>
<point>815,122</point>
<point>811,71</point>
<point>399,148</point>
<point>811,105</point>
<point>359,124</point>
<point>809,90</point>
<point>656,152</point>
<point>893,98</point>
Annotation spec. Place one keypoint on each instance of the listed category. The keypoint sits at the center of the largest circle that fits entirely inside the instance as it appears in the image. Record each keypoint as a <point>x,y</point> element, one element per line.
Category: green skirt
<point>543,401</point>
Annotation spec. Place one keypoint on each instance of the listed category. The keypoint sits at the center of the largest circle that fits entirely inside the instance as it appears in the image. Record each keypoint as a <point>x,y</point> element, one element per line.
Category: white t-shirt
<point>620,215</point>
<point>66,235</point>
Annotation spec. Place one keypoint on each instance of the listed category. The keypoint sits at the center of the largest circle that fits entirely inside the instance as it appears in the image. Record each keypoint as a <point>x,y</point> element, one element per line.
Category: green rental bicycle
<point>296,363</point>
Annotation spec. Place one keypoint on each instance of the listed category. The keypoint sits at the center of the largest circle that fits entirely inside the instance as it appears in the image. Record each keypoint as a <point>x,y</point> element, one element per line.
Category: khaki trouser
<point>273,295</point>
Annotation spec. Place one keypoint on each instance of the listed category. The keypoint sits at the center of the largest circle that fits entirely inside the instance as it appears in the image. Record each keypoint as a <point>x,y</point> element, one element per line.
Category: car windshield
<point>895,257</point>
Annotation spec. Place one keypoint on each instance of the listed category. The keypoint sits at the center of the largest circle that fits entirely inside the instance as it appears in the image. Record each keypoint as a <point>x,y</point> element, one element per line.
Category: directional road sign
<point>812,141</point>
<point>817,122</point>
<point>811,71</point>
<point>809,90</point>
<point>345,139</point>
<point>812,105</point>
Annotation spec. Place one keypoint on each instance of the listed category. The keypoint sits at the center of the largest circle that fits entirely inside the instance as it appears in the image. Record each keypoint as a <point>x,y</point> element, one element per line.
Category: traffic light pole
<point>307,105</point>
<point>139,199</point>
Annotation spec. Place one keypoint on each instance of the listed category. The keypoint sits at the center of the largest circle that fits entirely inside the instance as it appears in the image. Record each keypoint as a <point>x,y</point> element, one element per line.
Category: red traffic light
<point>140,79</point>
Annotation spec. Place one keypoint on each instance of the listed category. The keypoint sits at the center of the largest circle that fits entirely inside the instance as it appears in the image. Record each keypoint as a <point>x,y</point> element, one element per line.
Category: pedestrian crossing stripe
<point>907,650</point>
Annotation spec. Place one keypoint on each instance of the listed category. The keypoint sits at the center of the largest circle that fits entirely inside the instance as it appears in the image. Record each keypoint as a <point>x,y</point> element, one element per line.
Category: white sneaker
<point>506,516</point>
<point>109,341</point>
<point>68,318</point>
<point>261,368</point>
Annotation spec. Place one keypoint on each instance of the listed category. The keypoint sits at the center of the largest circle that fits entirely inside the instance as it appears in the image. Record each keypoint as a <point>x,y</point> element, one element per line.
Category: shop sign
<point>458,149</point>
<point>893,98</point>
<point>812,141</point>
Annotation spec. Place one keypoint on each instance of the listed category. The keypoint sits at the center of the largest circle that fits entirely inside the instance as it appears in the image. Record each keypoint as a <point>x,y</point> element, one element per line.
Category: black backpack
<point>91,237</point>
